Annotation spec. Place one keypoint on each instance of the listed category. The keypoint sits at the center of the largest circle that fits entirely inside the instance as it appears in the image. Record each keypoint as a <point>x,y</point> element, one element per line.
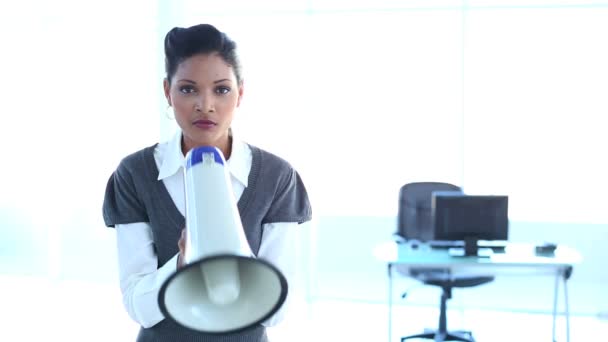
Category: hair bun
<point>182,42</point>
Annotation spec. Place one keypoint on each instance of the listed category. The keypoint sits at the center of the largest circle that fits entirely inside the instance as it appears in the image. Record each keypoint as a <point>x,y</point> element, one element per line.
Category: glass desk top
<point>514,254</point>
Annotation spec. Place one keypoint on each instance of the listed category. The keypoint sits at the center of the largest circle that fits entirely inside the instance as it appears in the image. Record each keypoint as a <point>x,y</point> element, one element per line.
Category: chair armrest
<point>398,238</point>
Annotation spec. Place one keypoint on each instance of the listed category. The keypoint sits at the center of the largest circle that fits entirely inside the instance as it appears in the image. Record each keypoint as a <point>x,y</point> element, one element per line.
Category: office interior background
<point>499,97</point>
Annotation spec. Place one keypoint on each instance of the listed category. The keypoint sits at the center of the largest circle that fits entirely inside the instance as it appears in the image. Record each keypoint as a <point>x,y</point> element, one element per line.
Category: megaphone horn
<point>222,288</point>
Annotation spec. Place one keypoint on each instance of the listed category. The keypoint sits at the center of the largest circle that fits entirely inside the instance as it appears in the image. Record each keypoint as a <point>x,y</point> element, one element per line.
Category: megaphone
<point>222,288</point>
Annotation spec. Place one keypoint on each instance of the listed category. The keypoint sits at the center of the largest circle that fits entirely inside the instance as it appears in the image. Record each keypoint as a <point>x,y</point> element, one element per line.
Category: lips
<point>205,124</point>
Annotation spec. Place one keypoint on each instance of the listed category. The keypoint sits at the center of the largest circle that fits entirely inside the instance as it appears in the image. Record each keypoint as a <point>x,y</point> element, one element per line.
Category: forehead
<point>205,67</point>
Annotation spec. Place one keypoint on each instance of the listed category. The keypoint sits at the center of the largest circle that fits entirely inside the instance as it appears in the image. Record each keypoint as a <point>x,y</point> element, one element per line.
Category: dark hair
<point>183,43</point>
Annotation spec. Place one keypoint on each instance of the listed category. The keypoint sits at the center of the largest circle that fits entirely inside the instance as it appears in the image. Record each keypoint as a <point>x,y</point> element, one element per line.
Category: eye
<point>222,90</point>
<point>186,89</point>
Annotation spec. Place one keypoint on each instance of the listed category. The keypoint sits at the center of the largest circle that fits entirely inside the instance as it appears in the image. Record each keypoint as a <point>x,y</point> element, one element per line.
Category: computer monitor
<point>470,218</point>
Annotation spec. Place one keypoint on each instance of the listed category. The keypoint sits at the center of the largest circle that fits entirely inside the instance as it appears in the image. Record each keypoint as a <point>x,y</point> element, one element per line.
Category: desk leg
<point>390,302</point>
<point>566,306</point>
<point>555,291</point>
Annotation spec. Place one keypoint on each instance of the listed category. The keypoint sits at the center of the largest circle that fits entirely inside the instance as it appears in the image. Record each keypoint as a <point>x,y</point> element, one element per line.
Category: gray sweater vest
<point>275,193</point>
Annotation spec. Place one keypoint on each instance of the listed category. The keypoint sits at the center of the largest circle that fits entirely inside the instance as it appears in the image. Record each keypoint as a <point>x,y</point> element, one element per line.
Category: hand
<point>181,244</point>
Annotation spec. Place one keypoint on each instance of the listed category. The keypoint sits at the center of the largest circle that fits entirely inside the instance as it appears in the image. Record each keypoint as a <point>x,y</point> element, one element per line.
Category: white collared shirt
<point>140,279</point>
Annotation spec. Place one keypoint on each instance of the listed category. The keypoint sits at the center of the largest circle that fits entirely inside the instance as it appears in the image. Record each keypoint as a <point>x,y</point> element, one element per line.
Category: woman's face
<point>204,94</point>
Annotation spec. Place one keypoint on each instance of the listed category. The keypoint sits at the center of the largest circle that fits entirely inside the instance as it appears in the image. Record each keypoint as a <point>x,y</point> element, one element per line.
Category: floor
<point>38,309</point>
<point>331,320</point>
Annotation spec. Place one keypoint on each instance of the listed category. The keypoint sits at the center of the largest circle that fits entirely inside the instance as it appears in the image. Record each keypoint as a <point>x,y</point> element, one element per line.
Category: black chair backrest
<point>415,221</point>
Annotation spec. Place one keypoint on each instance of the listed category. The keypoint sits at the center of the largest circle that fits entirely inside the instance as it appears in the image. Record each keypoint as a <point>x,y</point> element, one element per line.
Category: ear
<point>167,88</point>
<point>241,88</point>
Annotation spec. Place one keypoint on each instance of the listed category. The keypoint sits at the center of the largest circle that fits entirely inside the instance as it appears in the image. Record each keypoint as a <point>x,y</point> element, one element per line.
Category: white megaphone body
<point>222,288</point>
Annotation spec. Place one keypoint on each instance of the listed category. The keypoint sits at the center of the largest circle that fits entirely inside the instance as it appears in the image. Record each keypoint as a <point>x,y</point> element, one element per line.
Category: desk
<point>516,258</point>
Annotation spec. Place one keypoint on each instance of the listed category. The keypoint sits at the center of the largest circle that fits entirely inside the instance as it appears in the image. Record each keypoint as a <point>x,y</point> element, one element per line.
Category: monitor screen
<point>470,217</point>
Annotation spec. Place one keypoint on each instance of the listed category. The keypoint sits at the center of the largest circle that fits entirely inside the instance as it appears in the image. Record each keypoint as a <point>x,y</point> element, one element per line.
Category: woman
<point>144,198</point>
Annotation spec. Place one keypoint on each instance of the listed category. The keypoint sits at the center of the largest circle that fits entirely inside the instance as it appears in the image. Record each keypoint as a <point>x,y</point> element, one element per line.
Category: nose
<point>204,104</point>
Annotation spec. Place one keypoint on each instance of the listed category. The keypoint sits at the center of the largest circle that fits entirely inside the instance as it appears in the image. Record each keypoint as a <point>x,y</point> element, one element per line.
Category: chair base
<point>464,336</point>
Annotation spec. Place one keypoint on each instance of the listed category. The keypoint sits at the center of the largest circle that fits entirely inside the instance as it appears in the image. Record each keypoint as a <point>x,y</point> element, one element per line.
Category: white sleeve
<point>278,246</point>
<point>140,280</point>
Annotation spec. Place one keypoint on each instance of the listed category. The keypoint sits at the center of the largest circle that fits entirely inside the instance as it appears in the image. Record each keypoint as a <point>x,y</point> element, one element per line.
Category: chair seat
<point>459,281</point>
<point>440,277</point>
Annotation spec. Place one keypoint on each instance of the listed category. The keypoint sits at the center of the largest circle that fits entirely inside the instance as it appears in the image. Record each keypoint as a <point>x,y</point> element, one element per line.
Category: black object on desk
<point>547,249</point>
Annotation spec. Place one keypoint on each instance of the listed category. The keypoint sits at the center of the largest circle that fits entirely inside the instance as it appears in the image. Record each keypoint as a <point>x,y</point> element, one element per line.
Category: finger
<point>182,241</point>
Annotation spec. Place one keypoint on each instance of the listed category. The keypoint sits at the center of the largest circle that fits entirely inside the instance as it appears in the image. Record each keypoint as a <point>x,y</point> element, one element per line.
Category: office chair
<point>415,222</point>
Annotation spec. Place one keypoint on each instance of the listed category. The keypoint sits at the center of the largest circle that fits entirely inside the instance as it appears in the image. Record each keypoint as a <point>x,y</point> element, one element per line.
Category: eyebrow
<point>191,81</point>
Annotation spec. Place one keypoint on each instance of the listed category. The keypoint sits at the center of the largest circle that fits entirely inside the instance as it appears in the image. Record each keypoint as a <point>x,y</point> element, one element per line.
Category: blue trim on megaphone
<point>195,155</point>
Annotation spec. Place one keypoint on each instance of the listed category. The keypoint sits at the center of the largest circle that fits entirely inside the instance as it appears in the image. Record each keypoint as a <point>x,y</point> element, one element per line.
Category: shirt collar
<point>239,163</point>
<point>173,160</point>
